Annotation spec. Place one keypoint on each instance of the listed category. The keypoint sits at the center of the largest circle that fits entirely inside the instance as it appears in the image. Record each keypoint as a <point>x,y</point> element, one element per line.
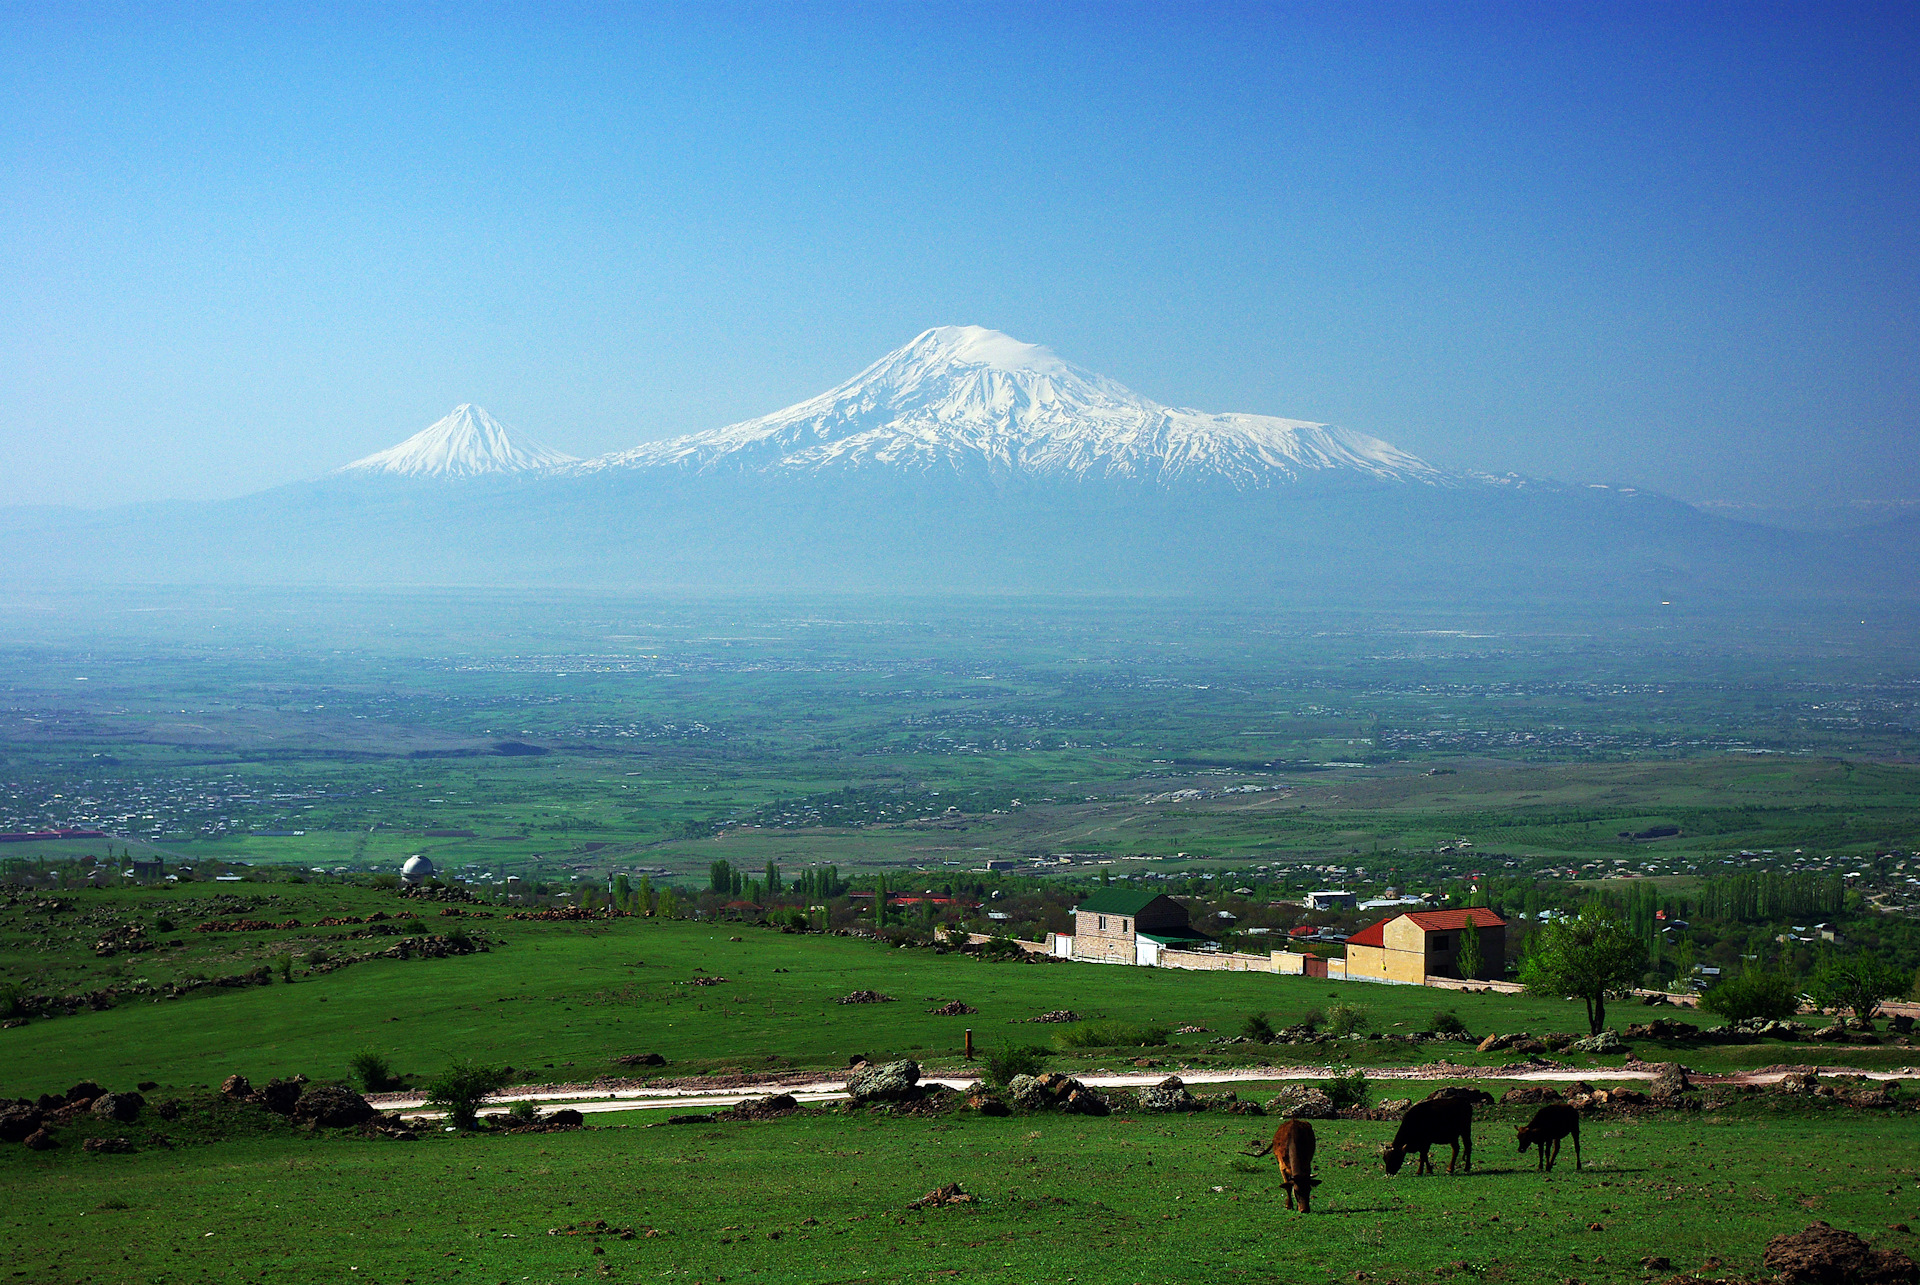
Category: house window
<point>1103,923</point>
<point>1123,925</point>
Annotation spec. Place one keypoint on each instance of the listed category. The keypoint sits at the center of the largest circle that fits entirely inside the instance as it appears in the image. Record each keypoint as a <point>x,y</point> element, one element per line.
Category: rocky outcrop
<point>1302,1102</point>
<point>18,1122</point>
<point>117,1106</point>
<point>1055,1092</point>
<point>1670,1083</point>
<point>1603,1043</point>
<point>331,1106</point>
<point>108,1146</point>
<point>1530,1095</point>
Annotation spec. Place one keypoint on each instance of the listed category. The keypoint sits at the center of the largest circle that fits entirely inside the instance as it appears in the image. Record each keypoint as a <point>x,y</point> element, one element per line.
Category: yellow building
<point>1426,943</point>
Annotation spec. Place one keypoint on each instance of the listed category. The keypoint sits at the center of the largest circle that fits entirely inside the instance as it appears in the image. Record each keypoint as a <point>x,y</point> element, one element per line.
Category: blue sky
<point>1669,245</point>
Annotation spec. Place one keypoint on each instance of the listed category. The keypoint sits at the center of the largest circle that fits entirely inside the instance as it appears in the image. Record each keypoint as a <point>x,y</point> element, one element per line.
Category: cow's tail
<point>1266,1149</point>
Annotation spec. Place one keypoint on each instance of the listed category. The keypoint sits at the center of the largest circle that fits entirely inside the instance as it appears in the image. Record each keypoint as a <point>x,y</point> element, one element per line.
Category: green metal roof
<point>1174,936</point>
<point>1119,901</point>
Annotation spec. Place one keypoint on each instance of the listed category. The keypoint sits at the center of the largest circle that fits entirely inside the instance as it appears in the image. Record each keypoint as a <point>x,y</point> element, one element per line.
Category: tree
<point>773,880</point>
<point>669,904</point>
<point>622,893</point>
<point>879,900</point>
<point>1470,961</point>
<point>720,877</point>
<point>1588,957</point>
<point>463,1087</point>
<point>1857,983</point>
<point>643,896</point>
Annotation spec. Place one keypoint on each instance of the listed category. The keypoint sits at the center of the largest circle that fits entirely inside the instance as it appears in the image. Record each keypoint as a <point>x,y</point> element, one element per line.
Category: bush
<point>1349,1090</point>
<point>1015,1059</point>
<point>1348,1019</point>
<point>317,956</point>
<point>1314,1019</point>
<point>1100,1035</point>
<point>283,965</point>
<point>388,882</point>
<point>524,1111</point>
<point>459,939</point>
<point>371,1072</point>
<point>1754,993</point>
<point>10,1002</point>
<point>1445,1022</point>
<point>462,1088</point>
<point>1257,1027</point>
<point>413,926</point>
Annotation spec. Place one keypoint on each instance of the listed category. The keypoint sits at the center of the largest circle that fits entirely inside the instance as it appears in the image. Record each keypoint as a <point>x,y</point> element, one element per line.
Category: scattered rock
<point>1493,1043</point>
<point>281,1096</point>
<point>1056,1092</point>
<point>640,1059</point>
<point>1823,1255</point>
<point>236,1086</point>
<point>1797,1082</point>
<point>332,1106</point>
<point>1479,1097</point>
<point>888,1082</point>
<point>986,1102</point>
<point>108,1146</point>
<point>85,1091</point>
<point>1661,1028</point>
<point>118,1106</point>
<point>1657,1263</point>
<point>942,1196</point>
<point>768,1108</point>
<point>865,997</point>
<point>953,1009</point>
<point>1670,1083</point>
<point>39,1140</point>
<point>1530,1095</point>
<point>1394,1108</point>
<point>1605,1042</point>
<point>1057,1015</point>
<point>167,1109</point>
<point>1837,1033</point>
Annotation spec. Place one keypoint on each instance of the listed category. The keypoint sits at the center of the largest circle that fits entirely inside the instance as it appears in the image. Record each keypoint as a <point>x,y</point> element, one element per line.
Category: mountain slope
<point>467,443</point>
<point>966,400</point>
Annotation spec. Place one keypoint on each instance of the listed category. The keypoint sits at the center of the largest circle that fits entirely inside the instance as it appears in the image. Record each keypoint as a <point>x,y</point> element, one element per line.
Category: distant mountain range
<point>964,461</point>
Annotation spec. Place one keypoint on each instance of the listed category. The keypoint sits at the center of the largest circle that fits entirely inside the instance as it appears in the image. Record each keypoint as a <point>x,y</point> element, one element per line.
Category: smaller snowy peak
<point>467,443</point>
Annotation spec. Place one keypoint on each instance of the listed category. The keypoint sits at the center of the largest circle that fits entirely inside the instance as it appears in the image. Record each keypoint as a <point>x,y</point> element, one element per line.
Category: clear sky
<point>1672,245</point>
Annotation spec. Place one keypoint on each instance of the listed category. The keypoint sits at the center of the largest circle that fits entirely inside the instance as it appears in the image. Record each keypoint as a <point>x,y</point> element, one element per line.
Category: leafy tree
<point>1587,957</point>
<point>720,877</point>
<point>463,1087</point>
<point>1257,1027</point>
<point>1469,961</point>
<point>622,893</point>
<point>669,907</point>
<point>643,895</point>
<point>773,880</point>
<point>1754,993</point>
<point>371,1072</point>
<point>1857,983</point>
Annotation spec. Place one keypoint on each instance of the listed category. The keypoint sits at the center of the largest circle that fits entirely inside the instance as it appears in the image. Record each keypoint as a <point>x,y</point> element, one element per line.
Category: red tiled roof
<point>1439,921</point>
<point>1373,935</point>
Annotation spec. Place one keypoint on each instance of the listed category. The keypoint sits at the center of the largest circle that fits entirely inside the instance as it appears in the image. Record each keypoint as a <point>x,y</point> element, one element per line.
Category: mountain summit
<point>967,400</point>
<point>467,443</point>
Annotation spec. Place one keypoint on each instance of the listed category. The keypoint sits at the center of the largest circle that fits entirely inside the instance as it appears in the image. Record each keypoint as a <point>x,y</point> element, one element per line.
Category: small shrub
<point>459,939</point>
<point>371,1072</point>
<point>1349,1090</point>
<point>1445,1022</point>
<point>1257,1027</point>
<point>283,965</point>
<point>1754,993</point>
<point>318,956</point>
<point>1314,1019</point>
<point>388,882</point>
<point>1100,1035</point>
<point>1000,948</point>
<point>523,1112</point>
<point>1015,1059</point>
<point>413,926</point>
<point>10,1002</point>
<point>956,935</point>
<point>462,1088</point>
<point>1348,1019</point>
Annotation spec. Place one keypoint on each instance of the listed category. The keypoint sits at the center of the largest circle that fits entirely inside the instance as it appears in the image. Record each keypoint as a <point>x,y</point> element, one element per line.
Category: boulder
<point>332,1106</point>
<point>85,1091</point>
<point>1493,1043</point>
<point>1823,1255</point>
<point>1603,1043</point>
<point>640,1059</point>
<point>568,1118</point>
<point>1528,1045</point>
<point>1529,1095</point>
<point>1661,1028</point>
<point>1055,1092</point>
<point>17,1122</point>
<point>986,1103</point>
<point>1393,1108</point>
<point>1168,1095</point>
<point>1670,1083</point>
<point>1797,1082</point>
<point>236,1086</point>
<point>888,1082</point>
<point>1303,1102</point>
<point>118,1106</point>
<point>281,1096</point>
<point>167,1109</point>
<point>39,1140</point>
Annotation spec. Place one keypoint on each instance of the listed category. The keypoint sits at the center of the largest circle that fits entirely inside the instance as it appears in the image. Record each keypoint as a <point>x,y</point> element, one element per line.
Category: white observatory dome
<point>417,870</point>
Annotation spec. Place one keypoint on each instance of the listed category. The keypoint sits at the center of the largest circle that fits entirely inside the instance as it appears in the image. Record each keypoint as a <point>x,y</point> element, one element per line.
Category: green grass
<point>824,1198</point>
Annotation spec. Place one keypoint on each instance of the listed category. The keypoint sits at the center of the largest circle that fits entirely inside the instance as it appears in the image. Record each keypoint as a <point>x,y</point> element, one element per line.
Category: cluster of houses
<point>1128,926</point>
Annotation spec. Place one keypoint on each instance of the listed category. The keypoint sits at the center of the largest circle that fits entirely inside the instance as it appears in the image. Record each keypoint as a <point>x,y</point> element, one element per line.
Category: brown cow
<point>1549,1125</point>
<point>1292,1146</point>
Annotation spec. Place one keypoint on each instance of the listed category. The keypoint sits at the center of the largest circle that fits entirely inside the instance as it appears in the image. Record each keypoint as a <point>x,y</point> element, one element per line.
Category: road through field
<point>587,1098</point>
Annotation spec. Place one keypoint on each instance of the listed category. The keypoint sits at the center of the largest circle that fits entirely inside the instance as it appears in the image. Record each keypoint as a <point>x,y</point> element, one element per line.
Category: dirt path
<point>588,1098</point>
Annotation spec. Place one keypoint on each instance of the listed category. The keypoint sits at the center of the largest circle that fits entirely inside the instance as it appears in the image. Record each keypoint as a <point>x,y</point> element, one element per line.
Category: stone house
<point>1126,926</point>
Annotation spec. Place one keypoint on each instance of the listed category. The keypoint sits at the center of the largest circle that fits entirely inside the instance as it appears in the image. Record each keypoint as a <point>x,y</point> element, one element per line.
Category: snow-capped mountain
<point>963,399</point>
<point>467,443</point>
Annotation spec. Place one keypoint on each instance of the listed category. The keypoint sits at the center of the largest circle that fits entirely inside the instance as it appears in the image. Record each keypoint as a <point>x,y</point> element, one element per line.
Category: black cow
<point>1549,1125</point>
<point>1432,1123</point>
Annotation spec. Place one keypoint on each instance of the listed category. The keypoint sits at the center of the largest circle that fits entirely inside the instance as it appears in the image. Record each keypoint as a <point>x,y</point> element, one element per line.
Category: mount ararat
<point>965,461</point>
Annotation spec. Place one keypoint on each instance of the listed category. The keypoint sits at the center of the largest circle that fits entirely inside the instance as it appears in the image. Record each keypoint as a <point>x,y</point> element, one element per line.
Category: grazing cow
<point>1549,1125</point>
<point>1292,1146</point>
<point>1432,1123</point>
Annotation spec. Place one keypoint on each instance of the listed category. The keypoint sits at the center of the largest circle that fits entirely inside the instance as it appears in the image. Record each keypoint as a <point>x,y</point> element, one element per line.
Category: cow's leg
<point>1286,1185</point>
<point>1454,1159</point>
<point>1466,1142</point>
<point>1576,1146</point>
<point>1553,1153</point>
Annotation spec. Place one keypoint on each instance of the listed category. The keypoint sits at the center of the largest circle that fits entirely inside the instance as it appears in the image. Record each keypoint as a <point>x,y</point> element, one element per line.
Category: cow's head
<point>1526,1136</point>
<point>1392,1158</point>
<point>1303,1192</point>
